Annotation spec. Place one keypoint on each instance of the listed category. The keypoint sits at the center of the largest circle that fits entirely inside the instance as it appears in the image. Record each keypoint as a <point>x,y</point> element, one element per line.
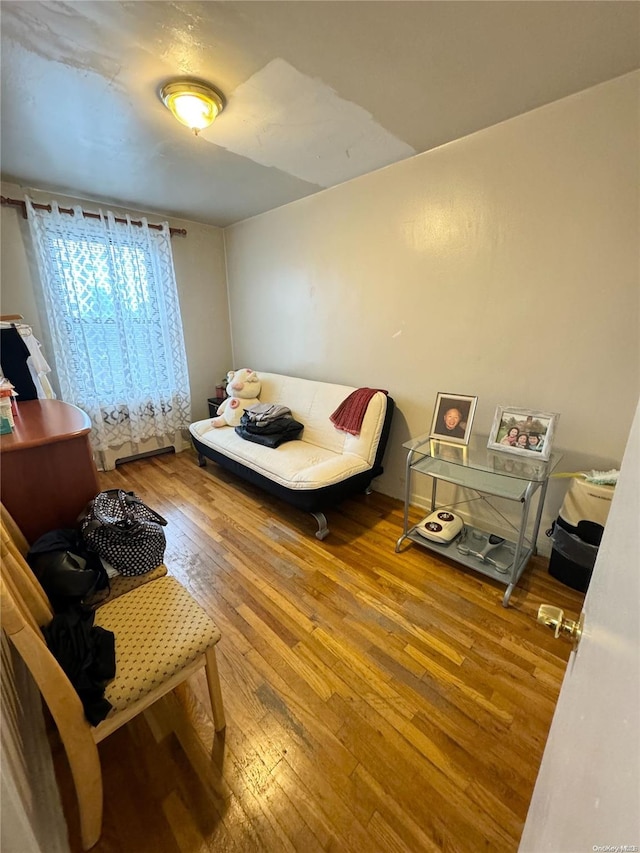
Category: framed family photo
<point>453,417</point>
<point>523,432</point>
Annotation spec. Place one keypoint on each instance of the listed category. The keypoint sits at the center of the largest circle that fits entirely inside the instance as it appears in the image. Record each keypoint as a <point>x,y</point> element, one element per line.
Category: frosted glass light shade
<point>195,105</point>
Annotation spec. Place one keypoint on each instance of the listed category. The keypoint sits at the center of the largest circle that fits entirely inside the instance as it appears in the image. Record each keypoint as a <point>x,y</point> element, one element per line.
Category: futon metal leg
<point>323,530</point>
<point>202,460</point>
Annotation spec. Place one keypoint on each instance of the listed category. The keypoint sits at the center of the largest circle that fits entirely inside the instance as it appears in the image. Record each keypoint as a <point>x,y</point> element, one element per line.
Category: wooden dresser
<point>47,472</point>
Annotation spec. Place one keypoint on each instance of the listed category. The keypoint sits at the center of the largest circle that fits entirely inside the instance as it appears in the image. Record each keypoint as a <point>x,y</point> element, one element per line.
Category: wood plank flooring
<point>375,701</point>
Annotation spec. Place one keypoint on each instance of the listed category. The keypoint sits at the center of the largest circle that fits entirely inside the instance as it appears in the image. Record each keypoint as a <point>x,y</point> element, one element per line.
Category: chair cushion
<point>144,621</point>
<point>122,584</point>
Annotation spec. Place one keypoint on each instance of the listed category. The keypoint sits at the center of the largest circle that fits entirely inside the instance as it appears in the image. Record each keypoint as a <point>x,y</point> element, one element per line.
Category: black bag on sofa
<point>124,531</point>
<point>270,433</point>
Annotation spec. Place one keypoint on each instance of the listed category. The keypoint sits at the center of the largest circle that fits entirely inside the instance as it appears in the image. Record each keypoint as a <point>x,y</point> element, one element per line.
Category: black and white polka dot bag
<point>124,531</point>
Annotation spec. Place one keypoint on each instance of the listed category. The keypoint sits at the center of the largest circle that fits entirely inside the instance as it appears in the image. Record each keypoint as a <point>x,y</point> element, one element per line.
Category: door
<point>587,795</point>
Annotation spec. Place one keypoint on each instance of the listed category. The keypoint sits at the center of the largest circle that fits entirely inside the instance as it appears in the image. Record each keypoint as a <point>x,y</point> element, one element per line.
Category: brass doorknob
<point>553,617</point>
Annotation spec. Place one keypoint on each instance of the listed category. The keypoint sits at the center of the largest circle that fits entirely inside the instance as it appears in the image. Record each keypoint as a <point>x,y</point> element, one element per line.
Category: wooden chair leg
<point>215,693</point>
<point>84,762</point>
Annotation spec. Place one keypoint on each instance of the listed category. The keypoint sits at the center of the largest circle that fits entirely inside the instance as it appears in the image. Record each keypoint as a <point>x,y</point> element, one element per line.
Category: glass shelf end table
<point>489,474</point>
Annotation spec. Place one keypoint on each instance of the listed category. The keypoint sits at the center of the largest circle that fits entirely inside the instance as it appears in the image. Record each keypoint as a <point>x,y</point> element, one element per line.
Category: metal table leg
<point>517,569</point>
<point>407,493</point>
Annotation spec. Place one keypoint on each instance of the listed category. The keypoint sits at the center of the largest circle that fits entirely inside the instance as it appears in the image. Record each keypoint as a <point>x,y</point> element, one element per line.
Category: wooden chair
<point>162,637</point>
<point>117,586</point>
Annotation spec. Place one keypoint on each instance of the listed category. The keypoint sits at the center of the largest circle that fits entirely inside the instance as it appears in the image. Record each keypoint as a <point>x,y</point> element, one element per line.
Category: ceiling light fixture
<point>193,103</point>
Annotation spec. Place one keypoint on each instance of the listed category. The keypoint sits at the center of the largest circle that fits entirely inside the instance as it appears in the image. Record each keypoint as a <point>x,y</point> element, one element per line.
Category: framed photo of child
<point>453,417</point>
<point>523,432</point>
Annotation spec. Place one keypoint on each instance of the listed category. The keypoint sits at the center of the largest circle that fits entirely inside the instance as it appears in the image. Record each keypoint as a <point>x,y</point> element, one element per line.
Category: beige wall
<point>504,265</point>
<point>200,273</point>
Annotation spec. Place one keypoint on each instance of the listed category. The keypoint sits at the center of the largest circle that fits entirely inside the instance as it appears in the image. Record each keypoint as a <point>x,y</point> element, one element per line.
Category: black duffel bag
<point>124,531</point>
<point>68,572</point>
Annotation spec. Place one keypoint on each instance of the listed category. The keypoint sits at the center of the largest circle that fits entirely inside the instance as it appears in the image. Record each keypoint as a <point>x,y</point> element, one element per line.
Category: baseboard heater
<point>157,452</point>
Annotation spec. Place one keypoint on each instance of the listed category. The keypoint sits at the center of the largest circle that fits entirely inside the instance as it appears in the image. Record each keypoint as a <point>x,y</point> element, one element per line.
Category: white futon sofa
<point>319,469</point>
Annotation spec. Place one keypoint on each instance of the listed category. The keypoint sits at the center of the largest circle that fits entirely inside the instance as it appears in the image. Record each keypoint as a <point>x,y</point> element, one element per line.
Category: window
<point>111,303</point>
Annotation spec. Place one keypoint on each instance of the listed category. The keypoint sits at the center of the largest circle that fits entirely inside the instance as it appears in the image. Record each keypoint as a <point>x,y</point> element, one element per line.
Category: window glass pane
<point>105,284</point>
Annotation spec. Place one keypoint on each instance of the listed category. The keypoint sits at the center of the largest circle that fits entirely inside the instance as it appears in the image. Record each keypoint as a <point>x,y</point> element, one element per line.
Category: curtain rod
<point>18,202</point>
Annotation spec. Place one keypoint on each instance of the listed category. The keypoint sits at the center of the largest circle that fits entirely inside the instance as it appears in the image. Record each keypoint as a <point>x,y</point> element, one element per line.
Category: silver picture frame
<point>523,432</point>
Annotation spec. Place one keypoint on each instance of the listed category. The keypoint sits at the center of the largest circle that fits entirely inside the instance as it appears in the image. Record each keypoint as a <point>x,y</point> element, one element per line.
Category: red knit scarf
<point>350,413</point>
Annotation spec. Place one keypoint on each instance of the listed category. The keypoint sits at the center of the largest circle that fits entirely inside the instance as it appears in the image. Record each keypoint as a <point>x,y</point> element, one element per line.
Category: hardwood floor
<point>375,701</point>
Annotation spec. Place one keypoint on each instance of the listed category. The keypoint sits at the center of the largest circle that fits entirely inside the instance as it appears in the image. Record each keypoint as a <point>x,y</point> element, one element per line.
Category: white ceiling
<point>317,92</point>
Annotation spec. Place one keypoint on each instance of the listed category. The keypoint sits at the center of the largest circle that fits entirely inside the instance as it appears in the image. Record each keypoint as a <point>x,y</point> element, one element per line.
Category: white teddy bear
<point>243,388</point>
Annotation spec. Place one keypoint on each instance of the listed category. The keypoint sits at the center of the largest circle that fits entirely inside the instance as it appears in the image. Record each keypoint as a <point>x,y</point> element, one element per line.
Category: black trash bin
<point>577,532</point>
<point>574,552</point>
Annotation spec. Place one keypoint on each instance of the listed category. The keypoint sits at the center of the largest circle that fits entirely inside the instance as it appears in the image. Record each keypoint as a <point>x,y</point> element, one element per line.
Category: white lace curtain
<point>111,304</point>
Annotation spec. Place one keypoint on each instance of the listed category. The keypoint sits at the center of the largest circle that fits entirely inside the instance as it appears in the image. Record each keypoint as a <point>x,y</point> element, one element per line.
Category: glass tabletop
<point>477,456</point>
